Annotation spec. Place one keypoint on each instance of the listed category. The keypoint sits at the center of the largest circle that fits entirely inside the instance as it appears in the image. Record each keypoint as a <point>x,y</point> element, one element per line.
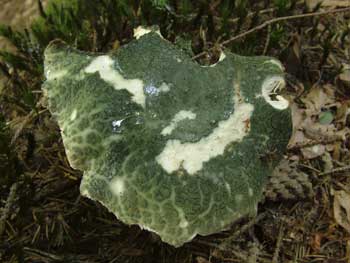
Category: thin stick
<point>336,170</point>
<point>278,245</point>
<point>272,21</point>
<point>250,14</point>
<point>267,42</point>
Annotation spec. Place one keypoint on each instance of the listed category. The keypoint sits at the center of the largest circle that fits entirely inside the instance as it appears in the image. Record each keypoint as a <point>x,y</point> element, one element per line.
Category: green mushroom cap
<point>165,143</point>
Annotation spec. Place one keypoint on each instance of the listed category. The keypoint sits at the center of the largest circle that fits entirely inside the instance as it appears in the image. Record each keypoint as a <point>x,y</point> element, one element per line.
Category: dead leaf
<point>318,98</point>
<point>314,151</point>
<point>344,76</point>
<point>316,242</point>
<point>318,132</point>
<point>327,162</point>
<point>315,123</point>
<point>343,112</point>
<point>337,151</point>
<point>341,209</point>
<point>298,136</point>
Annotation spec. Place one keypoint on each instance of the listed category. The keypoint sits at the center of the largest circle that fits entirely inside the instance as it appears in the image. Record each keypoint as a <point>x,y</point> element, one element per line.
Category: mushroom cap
<point>165,143</point>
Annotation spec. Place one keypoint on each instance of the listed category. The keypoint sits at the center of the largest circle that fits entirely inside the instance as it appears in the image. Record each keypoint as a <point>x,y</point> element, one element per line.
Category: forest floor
<point>44,219</point>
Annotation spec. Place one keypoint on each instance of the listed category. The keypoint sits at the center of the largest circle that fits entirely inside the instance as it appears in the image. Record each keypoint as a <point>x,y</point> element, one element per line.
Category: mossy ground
<point>44,218</point>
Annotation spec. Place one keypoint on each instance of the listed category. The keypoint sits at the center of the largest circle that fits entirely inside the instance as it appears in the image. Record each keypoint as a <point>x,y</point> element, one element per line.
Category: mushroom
<point>165,143</point>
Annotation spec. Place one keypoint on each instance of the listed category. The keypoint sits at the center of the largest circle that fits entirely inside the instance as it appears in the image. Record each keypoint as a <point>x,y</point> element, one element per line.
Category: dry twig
<point>336,170</point>
<point>278,245</point>
<point>267,42</point>
<point>273,21</point>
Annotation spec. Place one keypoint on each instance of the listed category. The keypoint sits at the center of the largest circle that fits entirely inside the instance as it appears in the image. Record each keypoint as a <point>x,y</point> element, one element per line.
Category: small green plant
<point>160,3</point>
